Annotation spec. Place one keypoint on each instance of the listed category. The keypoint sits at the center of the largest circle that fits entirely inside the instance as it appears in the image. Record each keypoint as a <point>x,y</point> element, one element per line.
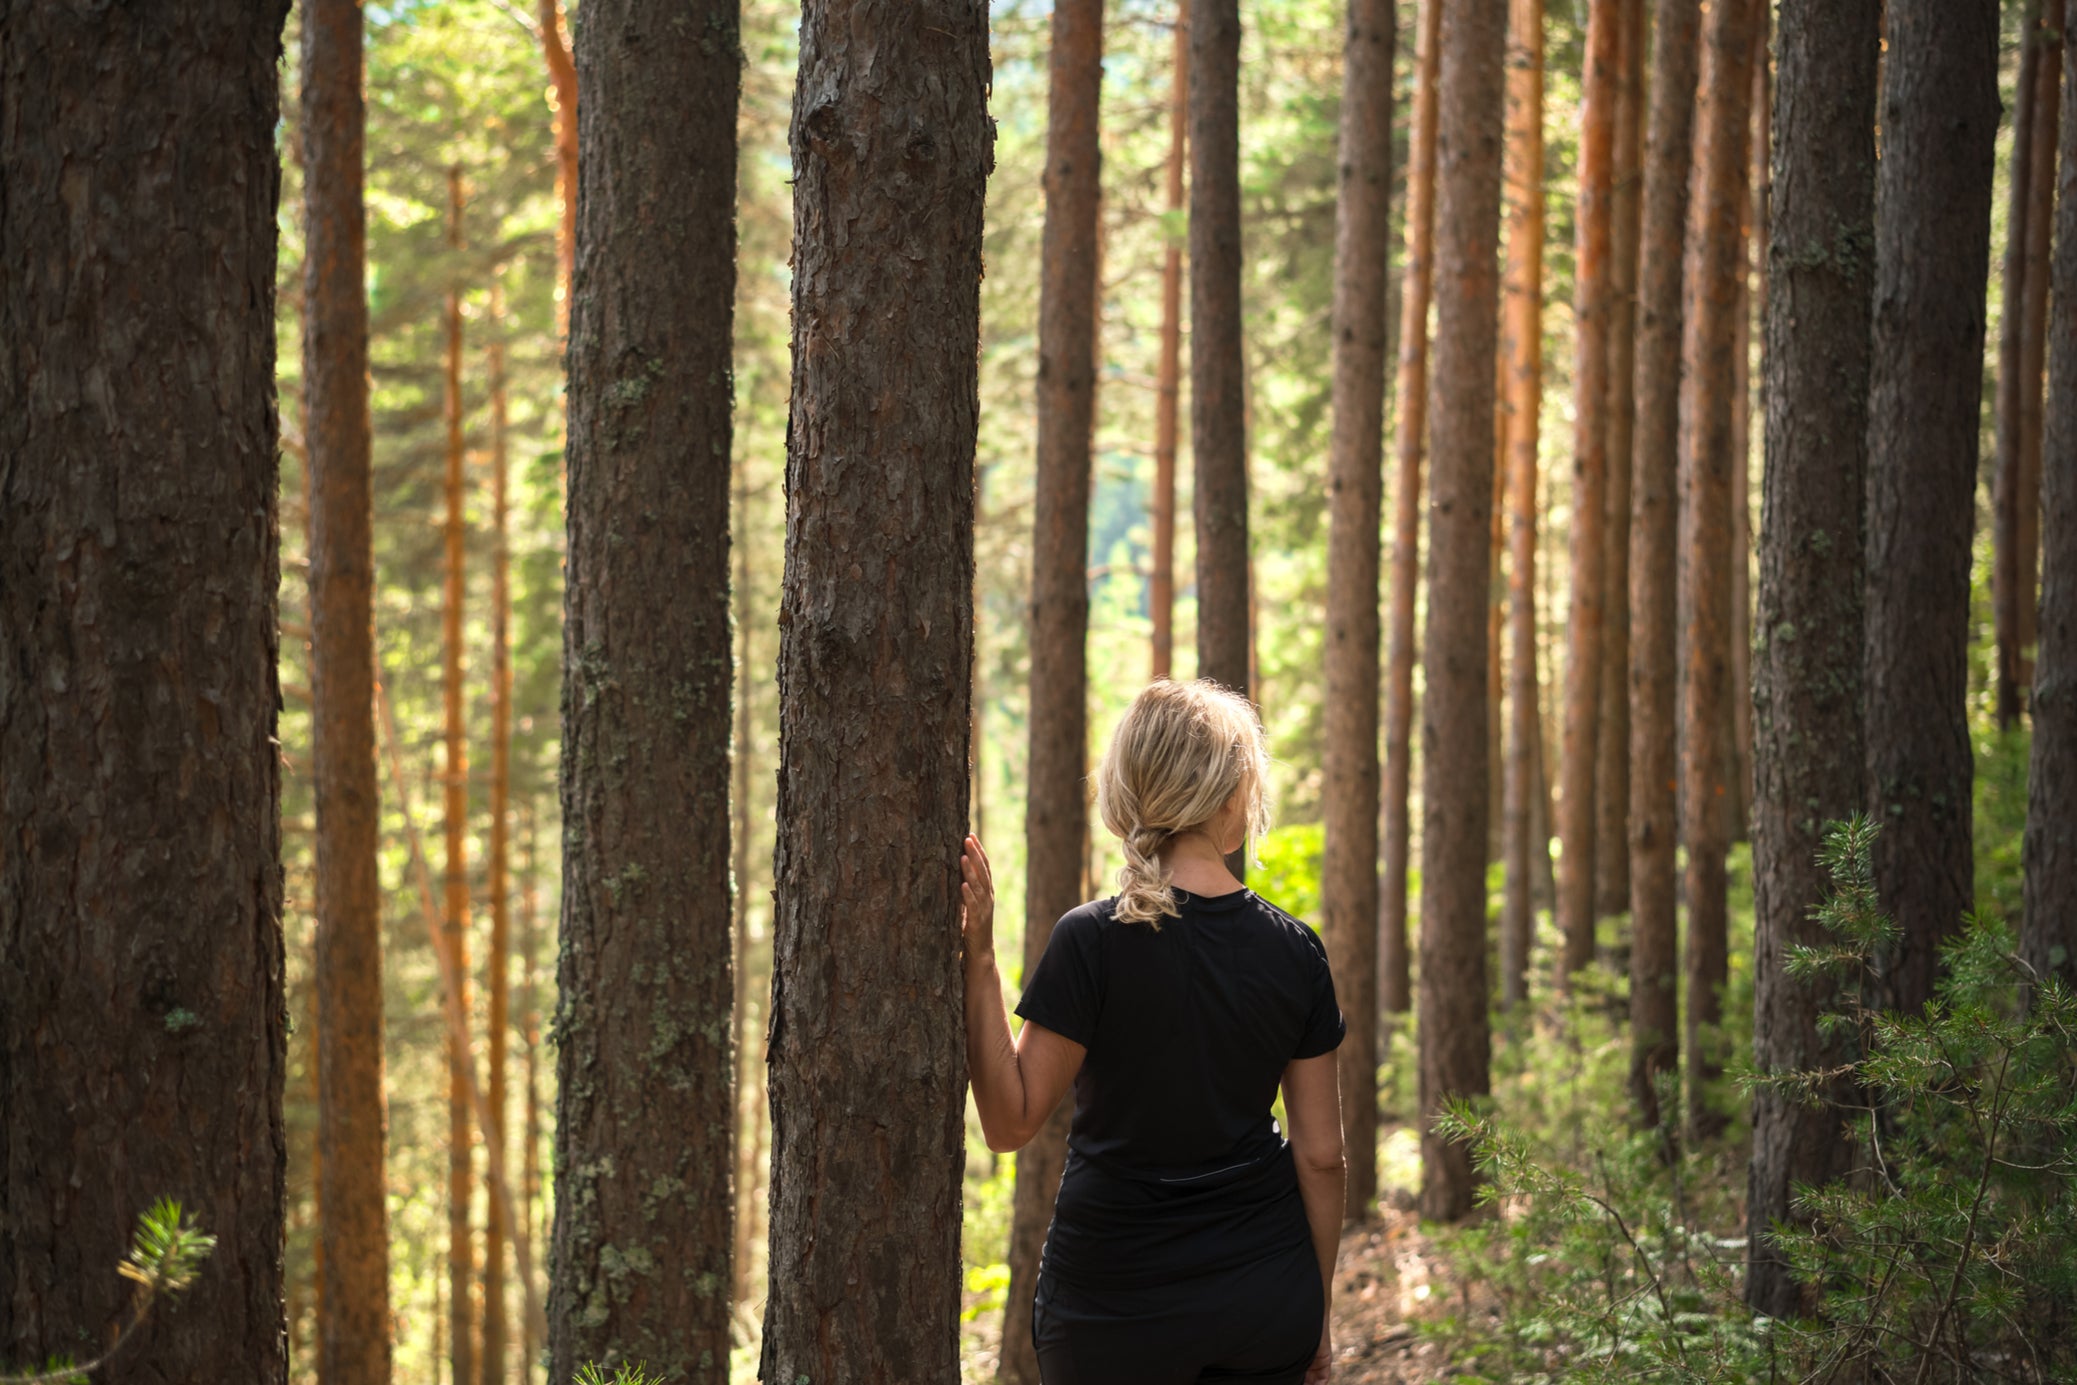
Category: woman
<point>1190,1241</point>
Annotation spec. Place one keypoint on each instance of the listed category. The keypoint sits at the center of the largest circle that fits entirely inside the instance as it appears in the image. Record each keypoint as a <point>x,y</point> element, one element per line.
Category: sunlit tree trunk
<point>498,970</point>
<point>1169,371</point>
<point>562,88</point>
<point>1752,286</point>
<point>1938,118</point>
<point>532,1333</point>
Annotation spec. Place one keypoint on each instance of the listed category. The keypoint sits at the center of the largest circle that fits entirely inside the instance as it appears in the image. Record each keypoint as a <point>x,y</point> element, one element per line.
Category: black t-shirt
<point>1188,1029</point>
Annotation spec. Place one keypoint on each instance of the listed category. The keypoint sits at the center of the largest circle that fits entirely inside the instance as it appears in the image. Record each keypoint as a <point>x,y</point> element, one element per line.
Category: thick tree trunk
<point>1455,1047</point>
<point>454,918</point>
<point>1056,813</point>
<point>1938,117</point>
<point>1395,983</point>
<point>891,148</point>
<point>643,1226</point>
<point>1522,394</point>
<point>353,1329</point>
<point>142,1045</point>
<point>498,967</point>
<point>1626,206</point>
<point>1654,510</point>
<point>1168,380</point>
<point>2048,936</point>
<point>562,88</point>
<point>1218,423</point>
<point>1713,275</point>
<point>1579,759</point>
<point>2033,337</point>
<point>1355,481</point>
<point>1807,667</point>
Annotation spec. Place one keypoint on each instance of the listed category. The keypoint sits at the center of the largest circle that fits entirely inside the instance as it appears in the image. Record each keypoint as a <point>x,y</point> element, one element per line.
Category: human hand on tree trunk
<point>976,901</point>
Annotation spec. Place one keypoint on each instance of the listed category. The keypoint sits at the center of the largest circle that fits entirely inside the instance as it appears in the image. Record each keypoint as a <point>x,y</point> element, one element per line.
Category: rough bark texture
<point>1056,812</point>
<point>891,148</point>
<point>1579,760</point>
<point>142,1046</point>
<point>1355,482</point>
<point>2048,937</point>
<point>497,978</point>
<point>1455,1048</point>
<point>1654,507</point>
<point>1218,420</point>
<point>1168,382</point>
<point>1807,664</point>
<point>1626,203</point>
<point>1939,117</point>
<point>1395,985</point>
<point>642,1243</point>
<point>353,1328</point>
<point>1522,395</point>
<point>1714,275</point>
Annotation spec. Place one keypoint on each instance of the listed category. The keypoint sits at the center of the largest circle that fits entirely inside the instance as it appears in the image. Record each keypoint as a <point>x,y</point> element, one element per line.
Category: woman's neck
<point>1194,864</point>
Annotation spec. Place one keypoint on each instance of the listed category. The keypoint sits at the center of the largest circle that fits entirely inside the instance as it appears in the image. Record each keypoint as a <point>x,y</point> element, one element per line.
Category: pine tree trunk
<point>2008,471</point>
<point>2048,935</point>
<point>2033,339</point>
<point>1348,872</point>
<point>1395,983</point>
<point>142,1044</point>
<point>1807,667</point>
<point>1938,117</point>
<point>498,970</point>
<point>1654,510</point>
<point>1218,423</point>
<point>562,85</point>
<point>1752,282</point>
<point>1168,381</point>
<point>643,1235</point>
<point>454,919</point>
<point>1626,205</point>
<point>1591,309</point>
<point>1055,809</point>
<point>1522,352</point>
<point>1455,1048</point>
<point>353,1328</point>
<point>532,1331</point>
<point>739,870</point>
<point>891,148</point>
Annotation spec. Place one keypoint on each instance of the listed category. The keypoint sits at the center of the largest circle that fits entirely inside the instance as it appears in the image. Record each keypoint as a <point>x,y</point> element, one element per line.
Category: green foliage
<point>1287,872</point>
<point>624,1374</point>
<point>166,1253</point>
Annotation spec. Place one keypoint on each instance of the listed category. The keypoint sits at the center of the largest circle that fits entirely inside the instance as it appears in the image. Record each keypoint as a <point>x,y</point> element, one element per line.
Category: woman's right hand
<point>977,901</point>
<point>1323,1360</point>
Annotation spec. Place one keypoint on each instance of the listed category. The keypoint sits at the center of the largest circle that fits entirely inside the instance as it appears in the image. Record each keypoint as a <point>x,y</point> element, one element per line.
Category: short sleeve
<point>1324,1026</point>
<point>1064,992</point>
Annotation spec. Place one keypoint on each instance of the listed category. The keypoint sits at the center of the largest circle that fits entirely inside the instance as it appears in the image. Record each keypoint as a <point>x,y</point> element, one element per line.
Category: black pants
<point>1259,1323</point>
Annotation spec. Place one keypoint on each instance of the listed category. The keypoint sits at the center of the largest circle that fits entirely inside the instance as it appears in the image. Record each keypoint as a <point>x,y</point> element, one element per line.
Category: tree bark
<point>1218,422</point>
<point>2048,934</point>
<point>2033,339</point>
<point>1455,1047</point>
<point>1522,350</point>
<point>142,1043</point>
<point>1579,759</point>
<point>1394,972</point>
<point>533,1332</point>
<point>562,88</point>
<point>1355,482</point>
<point>642,1241</point>
<point>454,925</point>
<point>1752,282</point>
<point>498,970</point>
<point>353,1327</point>
<point>1807,748</point>
<point>2008,471</point>
<point>1939,117</point>
<point>1168,380</point>
<point>1654,510</point>
<point>1056,813</point>
<point>891,148</point>
<point>1626,206</point>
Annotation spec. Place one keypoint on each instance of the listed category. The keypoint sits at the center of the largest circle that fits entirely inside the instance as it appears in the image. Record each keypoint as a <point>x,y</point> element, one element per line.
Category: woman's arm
<point>1017,1081</point>
<point>1312,1108</point>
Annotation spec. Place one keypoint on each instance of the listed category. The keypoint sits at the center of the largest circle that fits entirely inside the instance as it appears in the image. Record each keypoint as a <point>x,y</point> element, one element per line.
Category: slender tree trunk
<point>1055,807</point>
<point>1654,510</point>
<point>1590,311</point>
<point>1626,204</point>
<point>1752,285</point>
<point>1807,672</point>
<point>1939,116</point>
<point>2008,472</point>
<point>891,148</point>
<point>1348,872</point>
<point>531,1331</point>
<point>739,871</point>
<point>353,1330</point>
<point>142,1043</point>
<point>454,927</point>
<point>1168,381</point>
<point>1455,1047</point>
<point>1522,351</point>
<point>1395,984</point>
<point>644,1227</point>
<point>562,93</point>
<point>2048,933</point>
<point>2033,339</point>
<point>498,973</point>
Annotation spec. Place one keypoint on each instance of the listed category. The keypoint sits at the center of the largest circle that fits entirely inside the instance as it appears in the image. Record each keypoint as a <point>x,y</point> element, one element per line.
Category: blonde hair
<point>1181,752</point>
